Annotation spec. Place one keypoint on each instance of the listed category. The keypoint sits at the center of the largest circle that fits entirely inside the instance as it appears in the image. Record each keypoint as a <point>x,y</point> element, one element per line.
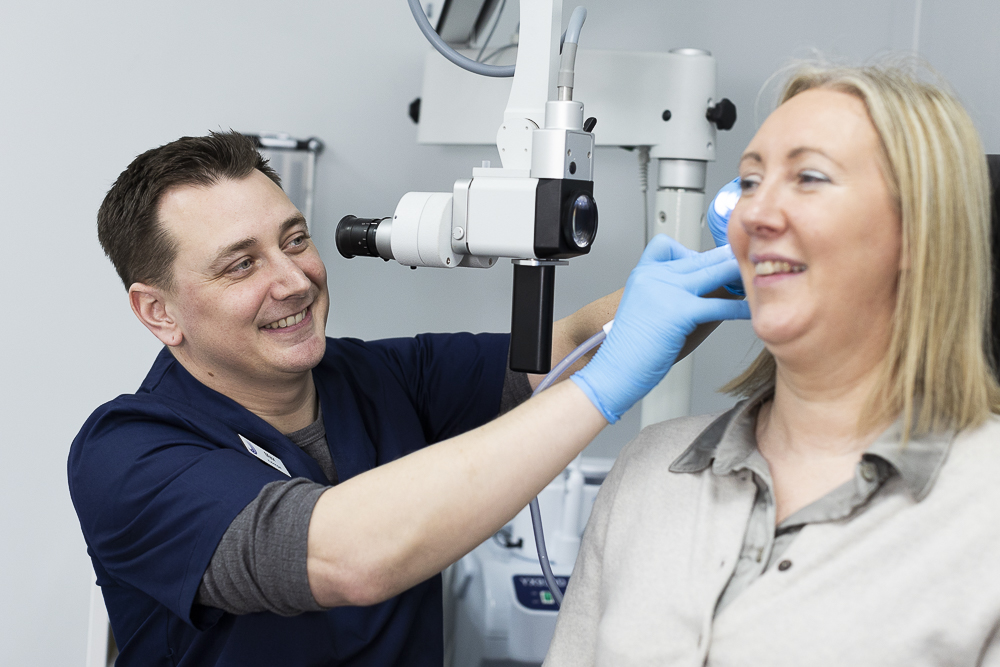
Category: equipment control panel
<point>533,592</point>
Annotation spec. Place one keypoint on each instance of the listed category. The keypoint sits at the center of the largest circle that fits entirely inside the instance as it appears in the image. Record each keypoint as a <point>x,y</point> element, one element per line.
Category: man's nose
<point>289,279</point>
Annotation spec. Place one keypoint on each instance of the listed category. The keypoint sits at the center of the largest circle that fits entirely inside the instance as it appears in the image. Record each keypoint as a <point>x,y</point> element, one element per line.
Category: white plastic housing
<point>490,624</point>
<point>553,152</point>
<point>501,217</point>
<point>533,84</point>
<point>626,91</point>
<point>421,230</point>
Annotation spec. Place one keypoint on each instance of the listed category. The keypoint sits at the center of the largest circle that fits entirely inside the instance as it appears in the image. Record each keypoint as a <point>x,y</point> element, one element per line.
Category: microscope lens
<point>582,221</point>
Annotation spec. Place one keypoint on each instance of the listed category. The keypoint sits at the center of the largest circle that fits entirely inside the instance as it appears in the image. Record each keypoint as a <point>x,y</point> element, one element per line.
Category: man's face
<point>249,288</point>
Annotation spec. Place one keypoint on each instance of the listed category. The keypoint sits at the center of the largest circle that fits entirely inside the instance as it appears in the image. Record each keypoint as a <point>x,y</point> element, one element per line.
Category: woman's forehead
<point>831,121</point>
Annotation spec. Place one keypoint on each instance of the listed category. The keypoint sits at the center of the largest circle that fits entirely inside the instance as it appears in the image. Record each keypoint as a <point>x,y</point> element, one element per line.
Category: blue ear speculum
<point>719,211</point>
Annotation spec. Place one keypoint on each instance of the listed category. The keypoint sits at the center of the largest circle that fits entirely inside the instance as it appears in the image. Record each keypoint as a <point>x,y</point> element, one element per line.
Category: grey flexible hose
<point>451,54</point>
<point>536,513</point>
<point>572,35</point>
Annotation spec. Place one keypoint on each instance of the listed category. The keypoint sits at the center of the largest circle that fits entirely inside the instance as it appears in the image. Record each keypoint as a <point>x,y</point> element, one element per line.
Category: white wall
<point>84,87</point>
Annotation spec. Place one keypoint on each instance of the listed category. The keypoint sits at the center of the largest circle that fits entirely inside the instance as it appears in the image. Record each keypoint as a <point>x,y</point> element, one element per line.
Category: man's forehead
<point>204,218</point>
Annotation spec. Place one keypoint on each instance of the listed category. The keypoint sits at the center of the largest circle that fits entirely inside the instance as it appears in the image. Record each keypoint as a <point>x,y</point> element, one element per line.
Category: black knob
<point>415,110</point>
<point>589,124</point>
<point>666,114</point>
<point>722,114</point>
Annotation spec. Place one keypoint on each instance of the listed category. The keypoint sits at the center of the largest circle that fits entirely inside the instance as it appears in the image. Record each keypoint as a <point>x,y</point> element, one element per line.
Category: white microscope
<point>538,209</point>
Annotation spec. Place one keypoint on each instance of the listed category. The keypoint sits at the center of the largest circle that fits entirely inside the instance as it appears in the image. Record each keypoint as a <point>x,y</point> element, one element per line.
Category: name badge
<point>265,456</point>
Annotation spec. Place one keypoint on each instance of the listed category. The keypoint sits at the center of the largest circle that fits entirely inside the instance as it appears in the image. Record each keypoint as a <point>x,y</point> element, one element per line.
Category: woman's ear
<point>150,305</point>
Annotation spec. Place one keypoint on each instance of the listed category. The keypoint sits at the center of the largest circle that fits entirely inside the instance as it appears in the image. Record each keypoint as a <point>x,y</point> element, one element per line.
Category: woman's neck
<point>808,434</point>
<point>808,414</point>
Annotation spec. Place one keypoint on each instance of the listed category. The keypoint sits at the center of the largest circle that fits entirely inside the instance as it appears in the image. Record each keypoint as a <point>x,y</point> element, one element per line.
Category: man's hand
<point>662,305</point>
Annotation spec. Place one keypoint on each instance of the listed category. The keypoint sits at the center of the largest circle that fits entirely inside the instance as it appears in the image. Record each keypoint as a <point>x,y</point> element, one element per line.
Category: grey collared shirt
<point>729,446</point>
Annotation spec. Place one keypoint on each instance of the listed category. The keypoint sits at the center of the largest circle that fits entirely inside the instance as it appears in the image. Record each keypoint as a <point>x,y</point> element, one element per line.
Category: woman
<point>845,513</point>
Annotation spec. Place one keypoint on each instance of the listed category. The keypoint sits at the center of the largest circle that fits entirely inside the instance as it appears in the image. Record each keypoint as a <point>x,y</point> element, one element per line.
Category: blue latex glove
<point>718,220</point>
<point>661,306</point>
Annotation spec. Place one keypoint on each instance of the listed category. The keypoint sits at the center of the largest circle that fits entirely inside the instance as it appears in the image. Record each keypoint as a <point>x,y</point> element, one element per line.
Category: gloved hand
<point>661,306</point>
<point>718,221</point>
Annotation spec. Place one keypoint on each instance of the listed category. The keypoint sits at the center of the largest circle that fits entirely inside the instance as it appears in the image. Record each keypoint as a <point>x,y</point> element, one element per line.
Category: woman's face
<point>816,232</point>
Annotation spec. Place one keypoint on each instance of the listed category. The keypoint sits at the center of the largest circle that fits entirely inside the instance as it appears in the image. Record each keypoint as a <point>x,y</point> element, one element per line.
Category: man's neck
<point>288,404</point>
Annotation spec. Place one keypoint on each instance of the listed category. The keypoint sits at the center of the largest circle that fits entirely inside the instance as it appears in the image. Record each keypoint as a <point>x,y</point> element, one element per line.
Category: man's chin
<point>303,357</point>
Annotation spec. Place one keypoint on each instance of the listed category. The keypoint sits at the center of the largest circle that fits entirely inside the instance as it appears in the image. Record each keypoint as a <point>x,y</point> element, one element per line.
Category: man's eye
<point>298,241</point>
<point>245,265</point>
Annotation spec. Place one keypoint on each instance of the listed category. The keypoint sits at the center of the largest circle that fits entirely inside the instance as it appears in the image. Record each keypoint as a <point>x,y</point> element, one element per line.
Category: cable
<point>536,513</point>
<point>498,52</point>
<point>576,20</point>
<point>479,57</point>
<point>567,60</point>
<point>451,54</point>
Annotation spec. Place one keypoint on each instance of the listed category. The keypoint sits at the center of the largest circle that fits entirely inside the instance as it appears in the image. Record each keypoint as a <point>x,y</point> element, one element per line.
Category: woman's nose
<point>761,212</point>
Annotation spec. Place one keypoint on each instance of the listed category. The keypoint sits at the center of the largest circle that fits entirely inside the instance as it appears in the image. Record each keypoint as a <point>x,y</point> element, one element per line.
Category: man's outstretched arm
<point>388,529</point>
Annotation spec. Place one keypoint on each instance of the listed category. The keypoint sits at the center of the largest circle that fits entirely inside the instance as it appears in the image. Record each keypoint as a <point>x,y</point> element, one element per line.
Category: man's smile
<point>289,321</point>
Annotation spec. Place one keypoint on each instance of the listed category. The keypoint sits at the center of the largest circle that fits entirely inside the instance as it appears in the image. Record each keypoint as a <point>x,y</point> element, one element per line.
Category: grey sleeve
<point>516,390</point>
<point>260,563</point>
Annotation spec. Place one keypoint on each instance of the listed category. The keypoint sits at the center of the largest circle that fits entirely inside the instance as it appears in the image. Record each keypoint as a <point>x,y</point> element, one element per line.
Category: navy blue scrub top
<point>158,476</point>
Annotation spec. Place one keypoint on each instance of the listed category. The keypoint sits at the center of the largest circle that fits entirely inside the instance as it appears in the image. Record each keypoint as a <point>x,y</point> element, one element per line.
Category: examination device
<point>538,209</point>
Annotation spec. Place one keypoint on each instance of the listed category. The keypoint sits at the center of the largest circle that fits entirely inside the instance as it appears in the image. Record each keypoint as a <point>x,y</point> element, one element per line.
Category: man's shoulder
<point>391,354</point>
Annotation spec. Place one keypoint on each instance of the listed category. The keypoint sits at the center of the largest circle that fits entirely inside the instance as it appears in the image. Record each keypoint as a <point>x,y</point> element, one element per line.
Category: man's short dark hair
<point>128,224</point>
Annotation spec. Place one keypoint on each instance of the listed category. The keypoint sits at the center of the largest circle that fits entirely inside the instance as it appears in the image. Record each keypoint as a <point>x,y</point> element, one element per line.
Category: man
<point>268,496</point>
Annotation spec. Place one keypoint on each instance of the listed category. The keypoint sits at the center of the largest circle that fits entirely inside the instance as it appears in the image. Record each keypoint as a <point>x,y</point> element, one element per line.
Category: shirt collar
<point>731,439</point>
<point>919,461</point>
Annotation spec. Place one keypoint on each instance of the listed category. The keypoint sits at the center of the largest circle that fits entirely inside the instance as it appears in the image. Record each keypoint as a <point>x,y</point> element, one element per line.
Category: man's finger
<point>717,310</point>
<point>699,260</point>
<point>662,248</point>
<point>708,278</point>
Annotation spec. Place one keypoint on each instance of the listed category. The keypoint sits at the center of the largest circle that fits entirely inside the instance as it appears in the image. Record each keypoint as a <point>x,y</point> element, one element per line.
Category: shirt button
<point>784,565</point>
<point>868,471</point>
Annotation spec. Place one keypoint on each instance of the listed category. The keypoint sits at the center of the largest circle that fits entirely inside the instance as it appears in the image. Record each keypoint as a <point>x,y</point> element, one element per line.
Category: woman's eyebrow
<point>801,150</point>
<point>751,156</point>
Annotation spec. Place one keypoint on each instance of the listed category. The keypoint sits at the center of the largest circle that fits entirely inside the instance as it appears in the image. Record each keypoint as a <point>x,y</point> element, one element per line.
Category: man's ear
<point>150,305</point>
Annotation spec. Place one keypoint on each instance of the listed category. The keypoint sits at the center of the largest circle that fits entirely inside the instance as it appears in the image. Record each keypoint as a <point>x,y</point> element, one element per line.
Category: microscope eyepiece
<point>358,237</point>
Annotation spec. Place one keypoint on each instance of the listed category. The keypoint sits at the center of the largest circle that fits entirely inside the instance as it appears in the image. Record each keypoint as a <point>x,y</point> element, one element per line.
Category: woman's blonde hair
<point>936,373</point>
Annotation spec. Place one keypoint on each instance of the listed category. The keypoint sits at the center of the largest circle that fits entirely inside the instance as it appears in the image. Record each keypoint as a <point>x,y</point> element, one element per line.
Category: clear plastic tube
<point>536,514</point>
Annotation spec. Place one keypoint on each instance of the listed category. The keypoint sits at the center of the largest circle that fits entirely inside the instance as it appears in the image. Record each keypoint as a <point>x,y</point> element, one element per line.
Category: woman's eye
<point>747,184</point>
<point>811,176</point>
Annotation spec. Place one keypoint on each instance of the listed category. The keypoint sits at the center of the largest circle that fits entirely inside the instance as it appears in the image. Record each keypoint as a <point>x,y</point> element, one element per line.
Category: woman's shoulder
<point>667,440</point>
<point>981,442</point>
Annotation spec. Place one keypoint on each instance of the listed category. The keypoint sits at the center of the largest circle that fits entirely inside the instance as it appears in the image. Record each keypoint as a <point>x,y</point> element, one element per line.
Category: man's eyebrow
<point>228,251</point>
<point>225,253</point>
<point>297,219</point>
